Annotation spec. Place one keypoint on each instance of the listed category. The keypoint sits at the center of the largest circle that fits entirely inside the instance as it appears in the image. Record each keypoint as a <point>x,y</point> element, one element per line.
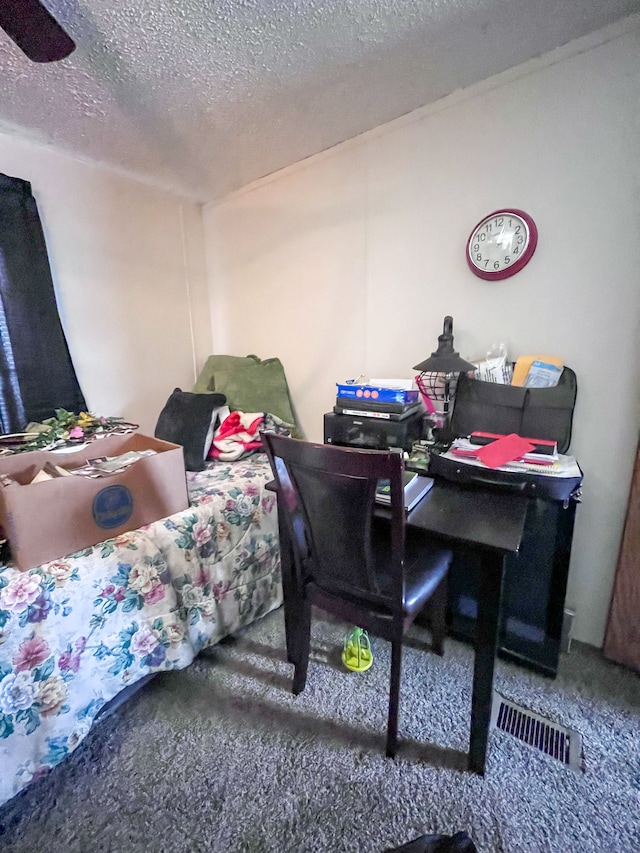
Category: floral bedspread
<point>77,631</point>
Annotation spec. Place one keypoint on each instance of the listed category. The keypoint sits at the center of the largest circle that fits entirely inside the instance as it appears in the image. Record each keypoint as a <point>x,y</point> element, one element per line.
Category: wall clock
<point>501,244</point>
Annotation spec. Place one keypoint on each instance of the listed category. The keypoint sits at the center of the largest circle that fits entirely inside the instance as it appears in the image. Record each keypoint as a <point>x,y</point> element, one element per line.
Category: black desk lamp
<point>439,373</point>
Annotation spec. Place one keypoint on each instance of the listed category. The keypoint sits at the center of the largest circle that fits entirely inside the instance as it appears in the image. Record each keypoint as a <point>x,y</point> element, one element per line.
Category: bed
<point>79,632</point>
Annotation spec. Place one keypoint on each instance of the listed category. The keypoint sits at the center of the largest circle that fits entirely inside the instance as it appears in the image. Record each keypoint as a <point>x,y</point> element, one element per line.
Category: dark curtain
<point>36,372</point>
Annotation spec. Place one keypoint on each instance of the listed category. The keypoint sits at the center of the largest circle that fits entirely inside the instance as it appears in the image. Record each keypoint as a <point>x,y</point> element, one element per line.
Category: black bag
<point>545,413</point>
<point>529,412</point>
<point>530,485</point>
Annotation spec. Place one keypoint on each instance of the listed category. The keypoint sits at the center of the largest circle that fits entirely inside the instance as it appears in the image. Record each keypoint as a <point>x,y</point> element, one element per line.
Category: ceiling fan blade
<point>35,30</point>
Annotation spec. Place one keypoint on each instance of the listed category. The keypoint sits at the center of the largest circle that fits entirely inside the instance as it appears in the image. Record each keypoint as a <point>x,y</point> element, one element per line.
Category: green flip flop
<point>356,653</point>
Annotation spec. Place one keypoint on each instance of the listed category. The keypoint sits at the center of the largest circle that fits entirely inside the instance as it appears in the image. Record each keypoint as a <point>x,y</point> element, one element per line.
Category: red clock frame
<point>525,257</point>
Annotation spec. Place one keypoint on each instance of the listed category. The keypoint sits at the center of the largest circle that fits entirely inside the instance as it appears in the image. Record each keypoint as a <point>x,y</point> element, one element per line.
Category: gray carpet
<point>222,757</point>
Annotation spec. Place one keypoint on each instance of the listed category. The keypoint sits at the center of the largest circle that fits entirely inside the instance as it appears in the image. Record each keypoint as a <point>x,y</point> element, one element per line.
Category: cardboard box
<point>375,393</point>
<point>48,520</point>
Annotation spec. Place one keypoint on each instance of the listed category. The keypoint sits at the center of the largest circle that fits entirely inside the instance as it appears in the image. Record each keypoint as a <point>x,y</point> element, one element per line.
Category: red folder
<point>541,445</point>
<point>503,450</point>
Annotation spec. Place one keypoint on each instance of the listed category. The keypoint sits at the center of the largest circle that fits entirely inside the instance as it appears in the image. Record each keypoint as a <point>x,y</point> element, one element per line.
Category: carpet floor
<point>222,758</point>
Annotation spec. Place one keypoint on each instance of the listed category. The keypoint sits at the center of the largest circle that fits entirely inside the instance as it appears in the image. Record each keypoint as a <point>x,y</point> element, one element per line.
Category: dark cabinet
<point>534,589</point>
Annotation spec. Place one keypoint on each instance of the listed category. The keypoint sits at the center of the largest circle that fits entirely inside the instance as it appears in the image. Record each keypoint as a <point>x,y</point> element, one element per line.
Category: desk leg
<point>485,653</point>
<point>289,588</point>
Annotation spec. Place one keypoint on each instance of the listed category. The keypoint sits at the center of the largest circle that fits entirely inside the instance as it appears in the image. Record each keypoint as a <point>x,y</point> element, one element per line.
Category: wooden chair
<point>361,569</point>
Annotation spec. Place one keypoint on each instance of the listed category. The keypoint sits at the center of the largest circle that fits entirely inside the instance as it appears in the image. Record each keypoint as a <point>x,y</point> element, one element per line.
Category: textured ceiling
<point>204,96</point>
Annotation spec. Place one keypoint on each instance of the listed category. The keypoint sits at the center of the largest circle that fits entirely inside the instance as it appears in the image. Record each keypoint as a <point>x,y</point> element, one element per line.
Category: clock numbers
<point>501,244</point>
<point>498,242</point>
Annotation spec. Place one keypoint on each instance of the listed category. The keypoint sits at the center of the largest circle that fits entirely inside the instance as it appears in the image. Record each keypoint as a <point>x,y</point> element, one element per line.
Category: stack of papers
<point>562,466</point>
<point>103,466</point>
<point>508,448</point>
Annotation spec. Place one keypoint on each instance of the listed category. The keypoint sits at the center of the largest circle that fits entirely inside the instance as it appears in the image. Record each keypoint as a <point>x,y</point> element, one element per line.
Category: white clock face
<point>498,241</point>
<point>501,244</point>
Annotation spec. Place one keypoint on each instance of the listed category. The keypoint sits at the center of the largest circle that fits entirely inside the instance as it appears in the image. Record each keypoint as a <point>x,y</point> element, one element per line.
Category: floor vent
<point>565,745</point>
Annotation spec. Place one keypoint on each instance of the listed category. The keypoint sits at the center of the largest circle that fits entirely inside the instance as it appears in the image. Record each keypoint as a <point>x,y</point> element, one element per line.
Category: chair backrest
<point>328,496</point>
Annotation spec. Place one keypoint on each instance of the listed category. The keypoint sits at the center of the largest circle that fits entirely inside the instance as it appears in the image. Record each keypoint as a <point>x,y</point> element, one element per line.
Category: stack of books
<point>376,401</point>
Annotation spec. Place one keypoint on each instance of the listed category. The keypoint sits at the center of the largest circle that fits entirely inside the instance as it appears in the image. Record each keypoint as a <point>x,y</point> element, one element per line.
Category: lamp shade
<point>445,359</point>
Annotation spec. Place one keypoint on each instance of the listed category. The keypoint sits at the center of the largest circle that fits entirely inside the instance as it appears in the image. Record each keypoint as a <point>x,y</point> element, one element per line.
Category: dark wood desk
<point>488,523</point>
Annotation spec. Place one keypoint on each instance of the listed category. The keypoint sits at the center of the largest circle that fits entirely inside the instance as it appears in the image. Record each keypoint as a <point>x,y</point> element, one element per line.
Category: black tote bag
<point>545,413</point>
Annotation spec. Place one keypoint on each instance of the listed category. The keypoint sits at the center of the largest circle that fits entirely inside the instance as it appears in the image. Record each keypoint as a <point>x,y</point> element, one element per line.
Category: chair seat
<point>423,575</point>
<point>425,566</point>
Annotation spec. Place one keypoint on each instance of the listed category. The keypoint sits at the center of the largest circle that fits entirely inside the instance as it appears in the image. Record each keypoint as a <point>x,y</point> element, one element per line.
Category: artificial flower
<point>69,428</point>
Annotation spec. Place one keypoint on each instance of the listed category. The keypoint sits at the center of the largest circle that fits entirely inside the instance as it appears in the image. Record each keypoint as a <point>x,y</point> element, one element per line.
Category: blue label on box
<point>112,507</point>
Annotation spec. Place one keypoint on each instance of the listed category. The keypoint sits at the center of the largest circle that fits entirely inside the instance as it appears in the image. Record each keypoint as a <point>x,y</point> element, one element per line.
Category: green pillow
<point>206,379</point>
<point>250,385</point>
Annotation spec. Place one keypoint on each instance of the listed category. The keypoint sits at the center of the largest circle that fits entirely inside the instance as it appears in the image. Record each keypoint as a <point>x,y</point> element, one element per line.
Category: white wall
<point>129,274</point>
<point>348,263</point>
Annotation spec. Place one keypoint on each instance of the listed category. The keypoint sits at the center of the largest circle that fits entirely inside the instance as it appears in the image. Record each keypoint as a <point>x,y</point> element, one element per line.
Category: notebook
<point>416,487</point>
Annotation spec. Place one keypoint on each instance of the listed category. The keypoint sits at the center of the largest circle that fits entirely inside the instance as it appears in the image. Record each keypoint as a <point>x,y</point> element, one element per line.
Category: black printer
<point>375,433</point>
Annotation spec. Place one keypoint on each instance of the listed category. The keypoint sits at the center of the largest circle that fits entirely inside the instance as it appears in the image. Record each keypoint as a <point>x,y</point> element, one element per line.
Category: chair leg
<point>302,644</point>
<point>438,617</point>
<point>394,698</point>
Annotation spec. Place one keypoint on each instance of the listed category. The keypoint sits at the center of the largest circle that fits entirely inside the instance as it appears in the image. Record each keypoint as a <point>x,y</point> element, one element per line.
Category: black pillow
<point>189,419</point>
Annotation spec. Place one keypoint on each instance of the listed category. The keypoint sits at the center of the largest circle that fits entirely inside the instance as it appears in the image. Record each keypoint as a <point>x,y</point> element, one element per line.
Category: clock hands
<point>502,241</point>
<point>501,244</point>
